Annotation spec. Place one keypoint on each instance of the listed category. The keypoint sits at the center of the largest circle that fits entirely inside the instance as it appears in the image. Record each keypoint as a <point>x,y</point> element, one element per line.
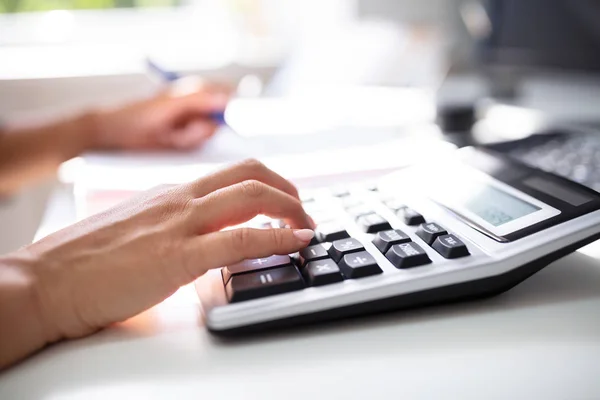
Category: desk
<point>540,340</point>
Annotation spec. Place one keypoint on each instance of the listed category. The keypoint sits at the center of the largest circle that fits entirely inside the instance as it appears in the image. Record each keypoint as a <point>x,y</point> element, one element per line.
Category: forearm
<point>22,330</point>
<point>27,155</point>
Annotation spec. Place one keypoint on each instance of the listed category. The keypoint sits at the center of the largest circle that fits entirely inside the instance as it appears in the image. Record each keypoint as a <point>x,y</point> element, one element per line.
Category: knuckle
<point>277,238</point>
<point>253,188</point>
<point>241,238</point>
<point>253,164</point>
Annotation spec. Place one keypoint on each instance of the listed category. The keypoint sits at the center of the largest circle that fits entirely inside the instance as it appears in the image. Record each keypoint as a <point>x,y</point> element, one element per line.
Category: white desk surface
<point>540,340</point>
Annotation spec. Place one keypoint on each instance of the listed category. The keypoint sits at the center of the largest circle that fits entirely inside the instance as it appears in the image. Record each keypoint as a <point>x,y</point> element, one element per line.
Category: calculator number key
<point>449,246</point>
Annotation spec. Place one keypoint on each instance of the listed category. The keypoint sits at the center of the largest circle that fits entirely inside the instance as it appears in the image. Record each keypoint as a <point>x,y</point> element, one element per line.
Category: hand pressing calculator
<point>467,225</point>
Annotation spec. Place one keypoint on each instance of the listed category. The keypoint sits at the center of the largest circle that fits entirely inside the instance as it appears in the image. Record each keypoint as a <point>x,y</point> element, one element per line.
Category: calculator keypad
<point>334,256</point>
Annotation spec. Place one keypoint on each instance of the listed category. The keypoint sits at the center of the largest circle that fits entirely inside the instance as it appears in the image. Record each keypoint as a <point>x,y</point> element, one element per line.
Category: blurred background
<point>62,55</point>
<point>356,72</point>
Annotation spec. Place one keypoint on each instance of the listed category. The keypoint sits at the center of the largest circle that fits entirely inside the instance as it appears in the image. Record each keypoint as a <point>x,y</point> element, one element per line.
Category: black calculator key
<point>384,240</point>
<point>372,223</point>
<point>253,285</point>
<point>407,255</point>
<point>312,253</point>
<point>410,216</point>
<point>339,248</point>
<point>253,265</point>
<point>322,272</point>
<point>358,265</point>
<point>394,204</point>
<point>330,231</point>
<point>357,211</point>
<point>449,246</point>
<point>430,231</point>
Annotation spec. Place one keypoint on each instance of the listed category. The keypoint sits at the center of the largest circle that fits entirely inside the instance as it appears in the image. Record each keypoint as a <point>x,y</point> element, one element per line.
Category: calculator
<point>464,225</point>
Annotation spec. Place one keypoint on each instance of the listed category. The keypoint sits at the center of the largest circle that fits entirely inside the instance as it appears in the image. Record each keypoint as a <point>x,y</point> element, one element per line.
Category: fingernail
<point>304,235</point>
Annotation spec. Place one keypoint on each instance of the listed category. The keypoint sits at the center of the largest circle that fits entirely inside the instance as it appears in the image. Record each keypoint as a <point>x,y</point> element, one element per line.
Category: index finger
<point>219,249</point>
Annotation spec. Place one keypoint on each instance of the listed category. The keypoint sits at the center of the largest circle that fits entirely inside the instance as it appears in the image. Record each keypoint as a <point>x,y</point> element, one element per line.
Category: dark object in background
<point>536,35</point>
<point>456,120</point>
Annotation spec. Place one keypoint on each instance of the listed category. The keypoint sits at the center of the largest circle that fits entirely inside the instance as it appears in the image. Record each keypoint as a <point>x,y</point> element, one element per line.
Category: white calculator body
<point>468,225</point>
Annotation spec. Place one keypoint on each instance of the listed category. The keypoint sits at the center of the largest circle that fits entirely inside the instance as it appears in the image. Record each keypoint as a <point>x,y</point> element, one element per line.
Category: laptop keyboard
<point>334,256</point>
<point>575,156</point>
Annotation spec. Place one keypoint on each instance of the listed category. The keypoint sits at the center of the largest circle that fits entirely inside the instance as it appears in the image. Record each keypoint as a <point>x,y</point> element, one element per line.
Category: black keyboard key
<point>330,231</point>
<point>430,231</point>
<point>410,216</point>
<point>253,265</point>
<point>312,253</point>
<point>253,285</point>
<point>358,265</point>
<point>394,204</point>
<point>340,248</point>
<point>449,246</point>
<point>372,223</point>
<point>384,240</point>
<point>322,272</point>
<point>407,255</point>
<point>357,211</point>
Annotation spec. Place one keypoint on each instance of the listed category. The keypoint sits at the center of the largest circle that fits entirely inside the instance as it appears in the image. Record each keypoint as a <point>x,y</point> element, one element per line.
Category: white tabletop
<point>539,340</point>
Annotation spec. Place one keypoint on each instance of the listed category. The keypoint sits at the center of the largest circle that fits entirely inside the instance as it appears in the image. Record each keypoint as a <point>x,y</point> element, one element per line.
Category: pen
<point>170,77</point>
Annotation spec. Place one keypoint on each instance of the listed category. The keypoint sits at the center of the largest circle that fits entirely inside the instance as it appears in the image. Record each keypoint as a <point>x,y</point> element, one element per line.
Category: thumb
<point>219,249</point>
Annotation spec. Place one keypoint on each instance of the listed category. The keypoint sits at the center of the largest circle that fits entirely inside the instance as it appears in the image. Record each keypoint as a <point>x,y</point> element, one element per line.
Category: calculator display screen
<point>497,207</point>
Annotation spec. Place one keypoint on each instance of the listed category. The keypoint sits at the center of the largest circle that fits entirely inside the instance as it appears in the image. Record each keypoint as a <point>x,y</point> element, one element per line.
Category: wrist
<point>24,328</point>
